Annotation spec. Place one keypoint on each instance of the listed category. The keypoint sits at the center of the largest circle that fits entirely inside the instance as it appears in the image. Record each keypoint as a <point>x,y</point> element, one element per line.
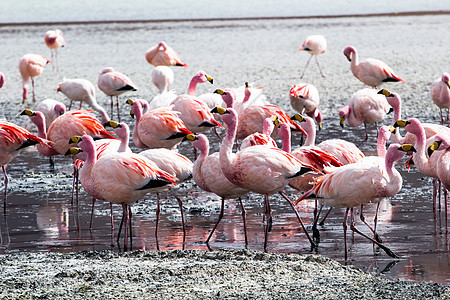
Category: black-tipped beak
<point>391,110</point>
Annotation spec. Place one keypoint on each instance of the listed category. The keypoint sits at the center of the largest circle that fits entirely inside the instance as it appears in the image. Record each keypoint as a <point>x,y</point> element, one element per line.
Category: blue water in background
<point>24,11</point>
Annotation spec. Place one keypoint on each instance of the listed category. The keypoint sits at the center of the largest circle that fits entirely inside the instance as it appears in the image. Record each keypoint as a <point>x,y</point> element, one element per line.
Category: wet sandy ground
<point>264,52</point>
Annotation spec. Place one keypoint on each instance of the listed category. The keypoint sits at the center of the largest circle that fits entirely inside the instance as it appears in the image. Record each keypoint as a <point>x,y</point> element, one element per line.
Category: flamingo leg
<point>112,224</point>
<point>222,208</point>
<point>268,215</point>
<point>125,225</point>
<point>316,233</point>
<point>324,218</point>
<point>70,105</point>
<point>386,249</point>
<point>52,162</point>
<point>56,60</point>
<point>32,86</point>
<point>158,211</point>
<point>92,214</point>
<point>313,245</point>
<point>442,118</point>
<point>112,106</point>
<point>180,204</point>
<point>244,219</point>
<point>307,63</point>
<point>344,225</point>
<point>375,222</point>
<point>118,111</point>
<point>434,197</point>
<point>130,215</point>
<point>363,219</point>
<point>120,229</point>
<point>6,188</point>
<point>320,70</point>
<point>52,55</point>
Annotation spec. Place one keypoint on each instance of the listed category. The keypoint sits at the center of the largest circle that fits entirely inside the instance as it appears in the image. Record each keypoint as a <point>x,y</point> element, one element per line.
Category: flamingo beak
<point>341,121</point>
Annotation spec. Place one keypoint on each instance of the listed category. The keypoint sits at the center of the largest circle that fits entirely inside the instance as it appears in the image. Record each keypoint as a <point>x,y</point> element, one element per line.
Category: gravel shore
<point>221,274</point>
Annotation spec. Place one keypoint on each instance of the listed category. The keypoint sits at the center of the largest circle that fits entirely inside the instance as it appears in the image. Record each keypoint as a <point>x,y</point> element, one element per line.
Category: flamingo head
<point>228,96</point>
<point>59,89</point>
<point>201,77</point>
<point>440,142</point>
<point>412,125</point>
<point>162,46</point>
<point>200,142</point>
<point>397,151</point>
<point>348,52</point>
<point>343,113</point>
<point>107,70</point>
<point>446,79</point>
<point>36,117</point>
<point>60,108</point>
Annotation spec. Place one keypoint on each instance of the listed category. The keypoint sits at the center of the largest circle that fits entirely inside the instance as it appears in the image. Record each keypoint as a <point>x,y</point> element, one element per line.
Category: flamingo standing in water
<point>314,45</point>
<point>209,177</point>
<point>30,66</point>
<point>157,128</point>
<point>259,169</point>
<point>114,83</point>
<point>13,139</point>
<point>54,39</point>
<point>359,183</point>
<point>440,94</point>
<point>82,90</point>
<point>372,72</point>
<point>163,55</point>
<point>121,178</point>
<point>365,106</point>
<point>305,98</point>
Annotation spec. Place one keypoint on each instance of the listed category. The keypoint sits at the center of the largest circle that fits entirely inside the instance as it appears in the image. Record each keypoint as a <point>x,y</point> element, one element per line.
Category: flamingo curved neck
<point>226,148</point>
<point>420,160</point>
<point>284,132</point>
<point>352,120</point>
<point>394,177</point>
<point>310,129</point>
<point>192,87</point>
<point>137,114</point>
<point>355,60</point>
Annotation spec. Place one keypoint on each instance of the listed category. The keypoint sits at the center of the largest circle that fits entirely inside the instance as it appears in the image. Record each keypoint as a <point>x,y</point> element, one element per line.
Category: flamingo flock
<point>113,168</point>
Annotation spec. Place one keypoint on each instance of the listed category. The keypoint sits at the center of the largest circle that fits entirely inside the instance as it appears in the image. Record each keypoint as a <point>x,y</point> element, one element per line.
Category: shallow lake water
<point>41,218</point>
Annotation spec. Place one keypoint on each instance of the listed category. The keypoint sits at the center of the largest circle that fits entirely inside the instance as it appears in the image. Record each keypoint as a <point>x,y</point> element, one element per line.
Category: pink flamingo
<point>261,138</point>
<point>163,55</point>
<point>30,66</point>
<point>162,78</point>
<point>158,128</point>
<point>359,183</point>
<point>365,106</point>
<point>114,83</point>
<point>13,139</point>
<point>259,169</point>
<point>2,80</point>
<point>82,90</point>
<point>51,110</point>
<point>314,45</point>
<point>372,72</point>
<point>305,99</point>
<point>121,178</point>
<point>426,165</point>
<point>209,177</point>
<point>440,94</point>
<point>54,40</point>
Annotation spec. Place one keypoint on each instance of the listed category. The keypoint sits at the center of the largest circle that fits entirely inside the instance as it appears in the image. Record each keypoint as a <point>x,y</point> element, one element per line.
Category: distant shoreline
<point>387,14</point>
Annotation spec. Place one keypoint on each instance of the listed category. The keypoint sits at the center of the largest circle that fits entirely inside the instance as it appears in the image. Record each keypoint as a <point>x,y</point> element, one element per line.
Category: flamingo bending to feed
<point>372,72</point>
<point>359,183</point>
<point>51,110</point>
<point>82,90</point>
<point>54,39</point>
<point>261,138</point>
<point>114,83</point>
<point>209,177</point>
<point>314,45</point>
<point>13,139</point>
<point>440,94</point>
<point>157,128</point>
<point>162,78</point>
<point>259,169</point>
<point>163,55</point>
<point>30,66</point>
<point>305,98</point>
<point>2,79</point>
<point>365,106</point>
<point>121,178</point>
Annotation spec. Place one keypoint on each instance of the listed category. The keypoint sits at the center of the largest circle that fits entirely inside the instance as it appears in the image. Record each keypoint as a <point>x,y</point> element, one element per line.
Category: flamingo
<point>259,169</point>
<point>426,165</point>
<point>175,164</point>
<point>359,183</point>
<point>365,106</point>
<point>30,66</point>
<point>261,138</point>
<point>372,72</point>
<point>158,128</point>
<point>162,78</point>
<point>114,83</point>
<point>305,99</point>
<point>51,110</point>
<point>120,178</point>
<point>13,139</point>
<point>209,177</point>
<point>2,79</point>
<point>54,40</point>
<point>440,94</point>
<point>163,55</point>
<point>82,90</point>
<point>314,45</point>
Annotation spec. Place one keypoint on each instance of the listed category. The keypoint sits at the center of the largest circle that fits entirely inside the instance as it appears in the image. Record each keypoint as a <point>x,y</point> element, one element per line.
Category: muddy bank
<point>194,275</point>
